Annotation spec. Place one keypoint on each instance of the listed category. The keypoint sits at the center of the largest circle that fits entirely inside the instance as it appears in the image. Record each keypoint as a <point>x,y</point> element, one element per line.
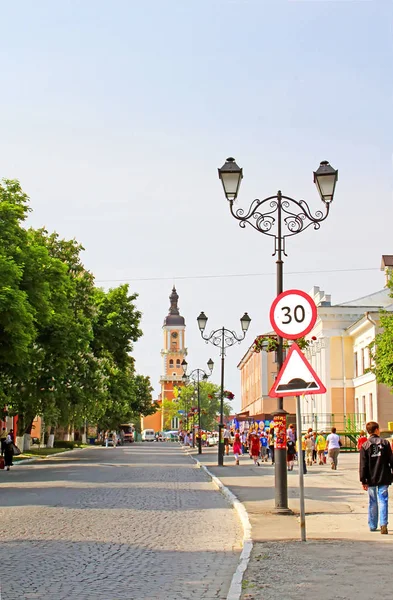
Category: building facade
<point>339,351</point>
<point>258,371</point>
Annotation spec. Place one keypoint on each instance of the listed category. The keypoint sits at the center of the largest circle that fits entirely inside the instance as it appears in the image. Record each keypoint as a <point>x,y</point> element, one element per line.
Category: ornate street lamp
<point>222,338</point>
<point>279,217</point>
<point>196,375</point>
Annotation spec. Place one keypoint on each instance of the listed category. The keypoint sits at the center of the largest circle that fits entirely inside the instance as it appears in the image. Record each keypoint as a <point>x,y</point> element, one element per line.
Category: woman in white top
<point>333,446</point>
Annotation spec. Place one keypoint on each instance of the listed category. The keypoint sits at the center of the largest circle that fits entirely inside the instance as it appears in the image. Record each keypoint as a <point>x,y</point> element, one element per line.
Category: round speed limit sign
<point>293,314</point>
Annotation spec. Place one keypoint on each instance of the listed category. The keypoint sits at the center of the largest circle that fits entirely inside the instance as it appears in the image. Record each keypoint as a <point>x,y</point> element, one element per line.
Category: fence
<point>348,426</point>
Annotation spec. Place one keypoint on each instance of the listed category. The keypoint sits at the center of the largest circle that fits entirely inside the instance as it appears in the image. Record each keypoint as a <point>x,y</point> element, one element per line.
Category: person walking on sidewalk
<point>375,473</point>
<point>271,444</point>
<point>333,446</point>
<point>264,447</point>
<point>361,439</point>
<point>309,449</point>
<point>227,437</point>
<point>291,451</point>
<point>321,446</point>
<point>255,448</point>
<point>237,447</point>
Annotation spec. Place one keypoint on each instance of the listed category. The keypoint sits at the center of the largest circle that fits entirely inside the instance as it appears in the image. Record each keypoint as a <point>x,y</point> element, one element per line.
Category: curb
<point>40,458</point>
<point>235,589</point>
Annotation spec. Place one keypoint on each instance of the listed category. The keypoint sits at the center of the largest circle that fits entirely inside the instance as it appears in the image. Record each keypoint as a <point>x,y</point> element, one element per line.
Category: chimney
<point>387,266</point>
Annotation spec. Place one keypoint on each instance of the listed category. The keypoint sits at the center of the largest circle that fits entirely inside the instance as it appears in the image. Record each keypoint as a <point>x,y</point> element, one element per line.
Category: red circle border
<point>313,310</point>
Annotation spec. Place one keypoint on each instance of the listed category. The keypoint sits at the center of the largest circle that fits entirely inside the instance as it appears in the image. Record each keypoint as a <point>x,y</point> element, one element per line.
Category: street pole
<point>280,454</point>
<point>221,424</point>
<point>293,216</point>
<point>301,469</point>
<point>222,338</point>
<point>199,420</point>
<point>195,376</point>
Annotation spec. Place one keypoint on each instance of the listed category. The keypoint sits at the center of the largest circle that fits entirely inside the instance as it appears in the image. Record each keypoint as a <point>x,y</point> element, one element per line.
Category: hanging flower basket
<point>269,343</point>
<point>229,395</point>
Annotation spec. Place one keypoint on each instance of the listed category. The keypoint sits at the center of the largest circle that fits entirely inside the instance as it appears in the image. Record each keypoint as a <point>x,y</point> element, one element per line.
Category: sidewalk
<point>342,559</point>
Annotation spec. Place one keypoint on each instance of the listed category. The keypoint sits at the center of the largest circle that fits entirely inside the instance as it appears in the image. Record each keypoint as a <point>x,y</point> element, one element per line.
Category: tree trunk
<point>19,440</point>
<point>51,438</point>
<point>26,441</point>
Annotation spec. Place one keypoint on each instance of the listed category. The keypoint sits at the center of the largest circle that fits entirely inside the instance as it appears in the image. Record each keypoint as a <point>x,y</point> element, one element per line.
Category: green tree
<point>209,400</point>
<point>382,347</point>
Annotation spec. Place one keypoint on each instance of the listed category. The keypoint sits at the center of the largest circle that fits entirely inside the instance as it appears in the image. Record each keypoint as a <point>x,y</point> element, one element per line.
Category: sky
<point>115,116</point>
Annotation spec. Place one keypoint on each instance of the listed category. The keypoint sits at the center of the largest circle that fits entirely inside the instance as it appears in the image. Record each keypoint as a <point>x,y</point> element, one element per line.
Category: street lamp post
<point>222,338</point>
<point>196,376</point>
<point>279,217</point>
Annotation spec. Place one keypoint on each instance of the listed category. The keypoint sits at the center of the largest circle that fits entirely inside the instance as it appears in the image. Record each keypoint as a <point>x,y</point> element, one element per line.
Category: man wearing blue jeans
<point>375,470</point>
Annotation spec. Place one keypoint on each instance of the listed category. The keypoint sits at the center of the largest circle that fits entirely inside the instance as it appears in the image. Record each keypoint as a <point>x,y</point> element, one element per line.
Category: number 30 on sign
<point>293,314</point>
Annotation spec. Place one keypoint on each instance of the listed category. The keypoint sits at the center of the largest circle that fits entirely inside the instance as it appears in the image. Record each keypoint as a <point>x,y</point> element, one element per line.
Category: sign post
<point>301,469</point>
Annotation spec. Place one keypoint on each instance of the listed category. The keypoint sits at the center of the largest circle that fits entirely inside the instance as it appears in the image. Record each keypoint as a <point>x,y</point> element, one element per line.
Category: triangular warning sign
<point>296,377</point>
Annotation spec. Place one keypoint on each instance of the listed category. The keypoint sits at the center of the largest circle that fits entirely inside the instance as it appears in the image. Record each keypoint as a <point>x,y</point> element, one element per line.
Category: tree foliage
<point>382,346</point>
<point>65,344</point>
<point>209,395</point>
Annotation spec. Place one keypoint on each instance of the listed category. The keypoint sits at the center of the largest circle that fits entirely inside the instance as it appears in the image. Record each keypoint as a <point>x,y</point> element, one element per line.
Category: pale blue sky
<point>115,116</point>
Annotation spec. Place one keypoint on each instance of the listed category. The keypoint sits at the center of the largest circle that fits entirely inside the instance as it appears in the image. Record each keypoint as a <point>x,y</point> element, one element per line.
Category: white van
<point>148,435</point>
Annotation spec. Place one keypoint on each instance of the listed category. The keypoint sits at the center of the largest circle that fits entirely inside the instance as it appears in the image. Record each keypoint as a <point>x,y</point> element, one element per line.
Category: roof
<point>174,317</point>
<point>378,299</point>
<point>387,261</point>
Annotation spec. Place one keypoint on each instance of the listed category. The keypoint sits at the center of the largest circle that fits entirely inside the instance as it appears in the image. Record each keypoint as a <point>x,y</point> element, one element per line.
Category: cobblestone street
<point>110,524</point>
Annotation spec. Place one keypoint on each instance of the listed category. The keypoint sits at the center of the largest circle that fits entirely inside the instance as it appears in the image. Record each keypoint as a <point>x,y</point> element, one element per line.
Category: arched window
<point>171,364</point>
<point>178,363</point>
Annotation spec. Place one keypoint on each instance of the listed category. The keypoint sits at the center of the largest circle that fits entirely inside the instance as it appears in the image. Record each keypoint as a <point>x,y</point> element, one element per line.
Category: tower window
<point>171,364</point>
<point>178,363</point>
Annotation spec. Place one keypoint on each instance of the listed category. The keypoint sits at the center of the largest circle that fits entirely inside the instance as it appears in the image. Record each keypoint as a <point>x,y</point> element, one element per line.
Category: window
<point>356,366</point>
<point>363,407</point>
<point>357,406</point>
<point>370,412</point>
<point>171,364</point>
<point>178,363</point>
<point>365,358</point>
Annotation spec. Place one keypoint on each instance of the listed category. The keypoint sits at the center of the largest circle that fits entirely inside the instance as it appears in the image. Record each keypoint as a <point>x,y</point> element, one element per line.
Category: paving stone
<point>135,522</point>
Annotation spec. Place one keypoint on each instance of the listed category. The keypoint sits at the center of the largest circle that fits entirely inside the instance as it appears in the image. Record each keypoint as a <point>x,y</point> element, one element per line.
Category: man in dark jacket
<point>375,470</point>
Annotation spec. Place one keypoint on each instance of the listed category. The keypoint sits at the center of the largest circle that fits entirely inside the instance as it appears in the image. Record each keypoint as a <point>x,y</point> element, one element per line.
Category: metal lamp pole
<point>222,338</point>
<point>279,217</point>
<point>196,375</point>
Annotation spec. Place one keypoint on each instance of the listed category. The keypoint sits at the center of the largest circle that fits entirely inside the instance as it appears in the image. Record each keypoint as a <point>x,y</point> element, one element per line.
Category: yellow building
<point>341,357</point>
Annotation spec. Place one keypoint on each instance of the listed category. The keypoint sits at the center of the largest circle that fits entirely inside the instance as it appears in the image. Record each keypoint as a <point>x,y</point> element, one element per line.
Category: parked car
<point>148,435</point>
<point>212,439</point>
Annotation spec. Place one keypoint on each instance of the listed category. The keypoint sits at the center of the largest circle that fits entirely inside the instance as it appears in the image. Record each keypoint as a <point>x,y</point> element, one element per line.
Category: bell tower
<point>174,350</point>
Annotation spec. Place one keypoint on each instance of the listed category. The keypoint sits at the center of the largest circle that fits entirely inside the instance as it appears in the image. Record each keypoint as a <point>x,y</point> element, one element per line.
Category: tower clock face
<point>174,335</point>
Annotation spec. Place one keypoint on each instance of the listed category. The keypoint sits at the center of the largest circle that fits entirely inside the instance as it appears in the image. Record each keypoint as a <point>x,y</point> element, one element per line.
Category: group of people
<point>7,440</point>
<point>315,447</point>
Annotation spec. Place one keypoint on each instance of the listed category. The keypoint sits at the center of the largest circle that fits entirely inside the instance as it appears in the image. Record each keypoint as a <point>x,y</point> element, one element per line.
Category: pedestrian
<point>301,452</point>
<point>3,437</point>
<point>321,446</point>
<point>291,433</point>
<point>375,472</point>
<point>264,447</point>
<point>243,439</point>
<point>114,439</point>
<point>8,451</point>
<point>361,439</point>
<point>333,445</point>
<point>237,447</point>
<point>255,448</point>
<point>271,444</point>
<point>309,449</point>
<point>227,437</point>
<point>107,439</point>
<point>314,449</point>
<point>291,451</point>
